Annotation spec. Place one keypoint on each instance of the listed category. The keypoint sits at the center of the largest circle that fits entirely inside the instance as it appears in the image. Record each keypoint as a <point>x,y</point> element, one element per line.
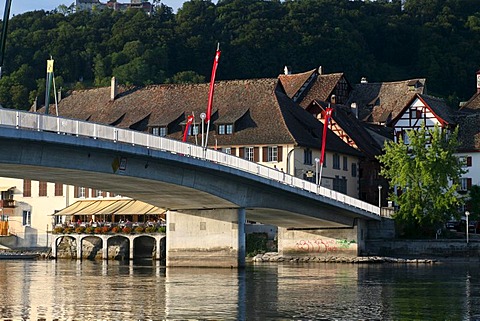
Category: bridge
<point>197,186</point>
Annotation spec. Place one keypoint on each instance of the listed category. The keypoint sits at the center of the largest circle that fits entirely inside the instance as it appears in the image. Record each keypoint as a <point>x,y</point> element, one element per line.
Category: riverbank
<point>275,257</point>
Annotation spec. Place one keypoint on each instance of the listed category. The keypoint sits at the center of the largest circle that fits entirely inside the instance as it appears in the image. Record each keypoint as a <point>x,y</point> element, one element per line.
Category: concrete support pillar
<point>131,242</point>
<point>79,248</point>
<point>105,248</point>
<point>54,246</point>
<point>206,238</point>
<point>344,242</point>
<point>158,249</point>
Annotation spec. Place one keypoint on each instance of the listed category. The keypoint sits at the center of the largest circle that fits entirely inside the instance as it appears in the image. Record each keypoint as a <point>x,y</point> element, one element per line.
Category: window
<point>27,218</point>
<point>227,150</point>
<point>98,193</point>
<point>82,192</point>
<point>225,129</point>
<point>159,131</point>
<point>58,189</point>
<point>42,188</point>
<point>309,176</point>
<point>336,161</point>
<point>465,184</point>
<point>466,161</point>
<point>354,170</point>
<point>272,154</point>
<point>221,129</point>
<point>415,113</point>
<point>27,188</point>
<point>340,184</point>
<point>249,154</point>
<point>194,129</point>
<point>229,129</point>
<point>345,163</point>
<point>307,156</point>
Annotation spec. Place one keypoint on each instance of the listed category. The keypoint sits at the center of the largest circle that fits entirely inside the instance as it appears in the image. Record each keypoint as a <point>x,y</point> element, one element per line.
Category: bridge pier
<point>339,242</point>
<point>206,238</point>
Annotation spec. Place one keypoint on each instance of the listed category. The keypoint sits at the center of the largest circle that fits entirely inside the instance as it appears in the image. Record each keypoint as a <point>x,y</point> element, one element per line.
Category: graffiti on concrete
<point>323,246</point>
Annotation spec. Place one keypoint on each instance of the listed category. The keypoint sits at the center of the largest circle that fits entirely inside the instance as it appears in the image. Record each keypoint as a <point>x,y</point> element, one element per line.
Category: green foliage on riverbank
<point>381,40</point>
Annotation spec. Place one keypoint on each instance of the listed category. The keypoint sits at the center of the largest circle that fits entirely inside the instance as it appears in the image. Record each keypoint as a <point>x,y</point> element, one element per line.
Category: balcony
<point>7,203</point>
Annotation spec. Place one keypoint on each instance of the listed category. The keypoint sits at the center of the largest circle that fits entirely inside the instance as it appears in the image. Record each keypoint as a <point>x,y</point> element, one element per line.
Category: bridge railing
<point>60,125</point>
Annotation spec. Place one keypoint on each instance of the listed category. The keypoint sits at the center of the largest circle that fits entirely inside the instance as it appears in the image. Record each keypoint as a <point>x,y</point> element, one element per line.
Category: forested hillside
<point>380,40</point>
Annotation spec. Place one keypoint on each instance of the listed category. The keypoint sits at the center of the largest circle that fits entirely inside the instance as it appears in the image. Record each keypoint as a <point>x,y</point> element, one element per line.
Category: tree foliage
<point>427,173</point>
<point>381,40</point>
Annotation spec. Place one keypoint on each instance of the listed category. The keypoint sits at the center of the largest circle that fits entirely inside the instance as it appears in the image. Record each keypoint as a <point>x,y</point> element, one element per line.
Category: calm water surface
<point>72,290</point>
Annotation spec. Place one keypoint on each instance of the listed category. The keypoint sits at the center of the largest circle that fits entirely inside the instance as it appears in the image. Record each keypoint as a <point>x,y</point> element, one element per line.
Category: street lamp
<point>317,160</point>
<point>467,214</point>
<point>379,195</point>
<point>203,116</point>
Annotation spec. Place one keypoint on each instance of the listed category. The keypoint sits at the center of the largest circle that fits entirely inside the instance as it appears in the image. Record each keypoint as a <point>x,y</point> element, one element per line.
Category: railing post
<point>17,120</point>
<point>39,119</point>
<point>115,135</point>
<point>58,125</point>
<point>76,133</point>
<point>94,131</point>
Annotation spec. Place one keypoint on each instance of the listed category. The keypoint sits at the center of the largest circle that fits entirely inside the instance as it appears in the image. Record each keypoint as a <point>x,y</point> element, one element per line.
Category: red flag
<point>328,114</point>
<point>212,84</point>
<point>187,127</point>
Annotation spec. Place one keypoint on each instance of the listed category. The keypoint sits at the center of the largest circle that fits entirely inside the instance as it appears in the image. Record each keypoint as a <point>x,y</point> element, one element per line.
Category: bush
<point>99,230</point>
<point>139,229</point>
<point>80,230</point>
<point>115,229</point>
<point>127,230</point>
<point>162,229</point>
<point>68,230</point>
<point>150,229</point>
<point>89,230</point>
<point>105,229</point>
<point>58,230</point>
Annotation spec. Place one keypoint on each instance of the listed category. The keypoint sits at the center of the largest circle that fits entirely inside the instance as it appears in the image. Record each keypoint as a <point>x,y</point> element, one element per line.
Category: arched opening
<point>118,248</point>
<point>92,248</point>
<point>144,247</point>
<point>66,247</point>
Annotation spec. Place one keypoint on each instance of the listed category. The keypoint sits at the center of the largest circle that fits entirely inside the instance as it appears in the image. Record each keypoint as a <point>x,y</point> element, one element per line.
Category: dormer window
<point>159,131</point>
<point>225,129</point>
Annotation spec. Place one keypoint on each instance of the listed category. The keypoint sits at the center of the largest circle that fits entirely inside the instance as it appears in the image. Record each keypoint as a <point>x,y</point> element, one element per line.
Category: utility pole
<point>6,15</point>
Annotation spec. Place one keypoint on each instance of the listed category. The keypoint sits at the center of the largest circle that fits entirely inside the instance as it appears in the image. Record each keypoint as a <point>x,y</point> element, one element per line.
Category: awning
<point>110,207</point>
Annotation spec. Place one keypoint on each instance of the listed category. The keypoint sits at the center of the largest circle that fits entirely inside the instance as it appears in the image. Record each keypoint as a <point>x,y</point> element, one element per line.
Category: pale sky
<point>21,6</point>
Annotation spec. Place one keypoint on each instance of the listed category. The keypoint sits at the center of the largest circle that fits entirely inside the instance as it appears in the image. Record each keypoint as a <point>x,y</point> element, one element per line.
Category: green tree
<point>427,172</point>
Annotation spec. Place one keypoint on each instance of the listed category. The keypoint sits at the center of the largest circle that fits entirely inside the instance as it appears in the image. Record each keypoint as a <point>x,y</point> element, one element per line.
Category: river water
<point>101,290</point>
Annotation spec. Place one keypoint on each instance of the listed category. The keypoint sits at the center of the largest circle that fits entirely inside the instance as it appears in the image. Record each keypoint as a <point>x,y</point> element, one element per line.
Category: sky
<point>21,6</point>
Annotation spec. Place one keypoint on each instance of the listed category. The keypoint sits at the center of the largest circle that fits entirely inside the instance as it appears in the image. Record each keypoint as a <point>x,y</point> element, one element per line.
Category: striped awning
<point>110,207</point>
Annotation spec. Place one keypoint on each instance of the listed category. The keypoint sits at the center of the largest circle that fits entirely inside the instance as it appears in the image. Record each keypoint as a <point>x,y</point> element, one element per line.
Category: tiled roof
<point>440,108</point>
<point>473,103</point>
<point>375,100</point>
<point>292,83</point>
<point>321,88</point>
<point>469,131</point>
<point>259,109</point>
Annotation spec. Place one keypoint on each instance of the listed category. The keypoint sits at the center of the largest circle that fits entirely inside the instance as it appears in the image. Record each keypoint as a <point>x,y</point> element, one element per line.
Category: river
<point>94,290</point>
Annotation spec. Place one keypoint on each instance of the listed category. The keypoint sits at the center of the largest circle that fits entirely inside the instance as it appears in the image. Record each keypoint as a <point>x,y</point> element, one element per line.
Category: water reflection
<point>146,290</point>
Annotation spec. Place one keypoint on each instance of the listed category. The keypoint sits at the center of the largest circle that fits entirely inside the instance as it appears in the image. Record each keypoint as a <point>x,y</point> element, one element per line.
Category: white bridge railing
<point>41,122</point>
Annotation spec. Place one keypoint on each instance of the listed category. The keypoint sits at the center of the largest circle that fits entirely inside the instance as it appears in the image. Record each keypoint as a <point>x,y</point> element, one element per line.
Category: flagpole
<point>328,114</point>
<point>210,94</point>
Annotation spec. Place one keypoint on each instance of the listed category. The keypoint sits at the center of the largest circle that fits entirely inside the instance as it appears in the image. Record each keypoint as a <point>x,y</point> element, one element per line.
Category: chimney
<point>478,82</point>
<point>333,99</point>
<point>320,70</point>
<point>286,71</point>
<point>364,80</point>
<point>59,95</point>
<point>113,89</point>
<point>354,109</point>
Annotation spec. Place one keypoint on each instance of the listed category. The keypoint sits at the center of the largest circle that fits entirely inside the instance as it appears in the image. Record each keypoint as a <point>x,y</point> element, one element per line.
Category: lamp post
<point>379,195</point>
<point>467,214</point>
<point>317,160</point>
<point>203,116</point>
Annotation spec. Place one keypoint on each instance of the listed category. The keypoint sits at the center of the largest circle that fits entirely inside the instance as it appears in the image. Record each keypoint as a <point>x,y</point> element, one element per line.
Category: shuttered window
<point>27,188</point>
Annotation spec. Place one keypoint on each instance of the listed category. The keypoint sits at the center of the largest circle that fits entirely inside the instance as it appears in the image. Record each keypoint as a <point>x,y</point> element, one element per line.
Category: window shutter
<point>279,153</point>
<point>255,154</point>
<point>241,152</point>
<point>94,192</point>
<point>42,188</point>
<point>76,192</point>
<point>233,151</point>
<point>265,154</point>
<point>469,161</point>
<point>27,188</point>
<point>469,183</point>
<point>104,194</point>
